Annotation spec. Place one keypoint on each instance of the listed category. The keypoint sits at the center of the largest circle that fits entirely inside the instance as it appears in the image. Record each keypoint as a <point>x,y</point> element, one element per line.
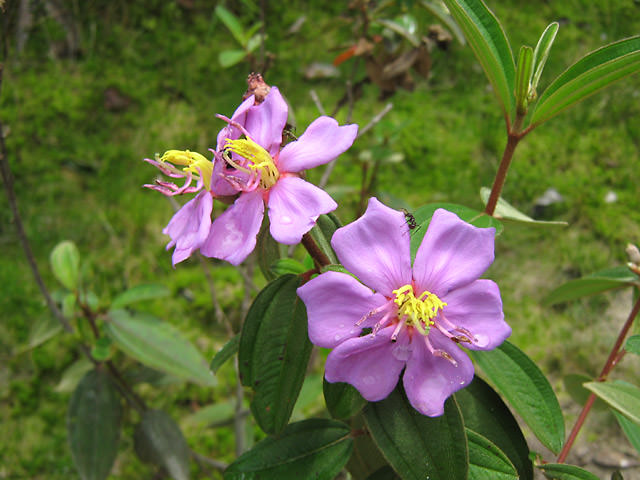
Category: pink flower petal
<point>221,187</point>
<point>190,226</point>
<point>323,141</point>
<point>233,234</point>
<point>266,121</point>
<point>428,379</point>
<point>239,116</point>
<point>367,363</point>
<point>376,248</point>
<point>453,253</point>
<point>294,206</point>
<point>335,302</point>
<point>478,308</point>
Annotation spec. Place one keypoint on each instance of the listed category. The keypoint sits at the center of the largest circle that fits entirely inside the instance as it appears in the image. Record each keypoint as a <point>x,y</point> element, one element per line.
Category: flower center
<point>418,312</point>
<point>259,163</point>
<point>193,162</point>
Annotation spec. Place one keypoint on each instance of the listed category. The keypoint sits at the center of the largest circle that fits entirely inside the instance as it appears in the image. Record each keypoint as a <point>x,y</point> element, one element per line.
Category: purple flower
<point>418,316</point>
<point>191,224</point>
<point>267,173</point>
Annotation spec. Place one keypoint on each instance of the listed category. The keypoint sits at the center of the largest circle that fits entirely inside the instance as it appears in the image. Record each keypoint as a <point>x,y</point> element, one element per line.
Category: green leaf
<point>485,413</point>
<point>526,389</point>
<point>487,461</point>
<point>322,231</point>
<point>309,398</point>
<point>367,458</point>
<point>217,414</point>
<point>268,250</point>
<point>158,440</point>
<point>404,435</point>
<point>232,23</point>
<point>138,294</point>
<point>633,344</point>
<point>254,42</point>
<point>423,215</point>
<point>574,383</point>
<point>384,473</point>
<point>343,400</point>
<point>157,344</point>
<point>229,58</point>
<point>540,55</point>
<point>287,265</point>
<point>42,330</point>
<point>65,263</point>
<point>139,373</point>
<point>229,350</point>
<point>314,449</point>
<point>93,423</point>
<point>489,42</point>
<point>438,11</point>
<point>595,71</point>
<point>598,282</point>
<point>562,471</point>
<point>274,351</point>
<point>336,268</point>
<point>630,429</point>
<point>71,376</point>
<point>507,212</point>
<point>101,351</point>
<point>523,77</point>
<point>404,26</point>
<point>622,396</point>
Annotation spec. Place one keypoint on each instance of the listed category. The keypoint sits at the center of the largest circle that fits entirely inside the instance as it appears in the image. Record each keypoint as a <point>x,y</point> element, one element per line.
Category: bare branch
<point>7,179</point>
<point>316,100</point>
<point>327,171</point>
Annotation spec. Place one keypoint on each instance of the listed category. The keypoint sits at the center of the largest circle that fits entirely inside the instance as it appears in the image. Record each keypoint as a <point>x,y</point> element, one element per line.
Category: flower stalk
<point>614,357</point>
<point>514,135</point>
<point>314,250</point>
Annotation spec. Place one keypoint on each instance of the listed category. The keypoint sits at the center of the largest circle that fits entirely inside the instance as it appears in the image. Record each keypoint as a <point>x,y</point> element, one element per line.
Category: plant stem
<point>614,358</point>
<point>312,247</point>
<point>514,135</point>
<point>22,236</point>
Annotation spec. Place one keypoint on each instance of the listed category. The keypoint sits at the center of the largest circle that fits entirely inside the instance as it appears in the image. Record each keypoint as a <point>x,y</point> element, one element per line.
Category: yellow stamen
<point>193,162</point>
<point>261,162</point>
<point>417,312</point>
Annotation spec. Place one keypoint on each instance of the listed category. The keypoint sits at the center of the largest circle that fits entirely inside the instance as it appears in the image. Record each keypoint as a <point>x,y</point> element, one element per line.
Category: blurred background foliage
<point>92,87</point>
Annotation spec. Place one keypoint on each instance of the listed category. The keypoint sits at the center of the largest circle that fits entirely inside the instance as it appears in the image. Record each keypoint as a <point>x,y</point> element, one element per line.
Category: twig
<point>350,93</point>
<point>514,135</point>
<point>614,357</point>
<point>220,315</point>
<point>248,281</point>
<point>316,100</point>
<point>375,120</point>
<point>11,196</point>
<point>216,464</point>
<point>312,247</point>
<point>263,36</point>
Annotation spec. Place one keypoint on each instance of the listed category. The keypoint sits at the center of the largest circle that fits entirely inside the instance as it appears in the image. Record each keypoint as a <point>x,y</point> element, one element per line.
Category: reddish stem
<point>614,357</point>
<point>312,247</point>
<point>514,135</point>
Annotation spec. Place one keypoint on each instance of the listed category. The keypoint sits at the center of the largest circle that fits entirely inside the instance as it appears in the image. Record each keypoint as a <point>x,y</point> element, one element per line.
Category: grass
<point>78,174</point>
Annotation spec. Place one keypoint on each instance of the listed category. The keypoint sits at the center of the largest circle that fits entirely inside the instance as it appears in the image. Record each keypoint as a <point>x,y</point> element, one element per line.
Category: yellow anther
<point>193,162</point>
<point>261,162</point>
<point>420,311</point>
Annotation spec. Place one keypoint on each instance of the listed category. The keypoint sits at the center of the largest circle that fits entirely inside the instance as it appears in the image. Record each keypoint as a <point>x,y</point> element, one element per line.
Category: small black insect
<point>410,219</point>
<point>289,132</point>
